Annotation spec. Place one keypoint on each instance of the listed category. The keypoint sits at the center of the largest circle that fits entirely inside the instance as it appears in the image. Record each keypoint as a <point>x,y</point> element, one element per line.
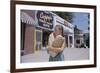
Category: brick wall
<point>29,40</point>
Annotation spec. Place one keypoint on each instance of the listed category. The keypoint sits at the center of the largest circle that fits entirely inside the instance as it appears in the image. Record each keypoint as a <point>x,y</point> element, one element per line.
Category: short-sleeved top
<point>50,41</point>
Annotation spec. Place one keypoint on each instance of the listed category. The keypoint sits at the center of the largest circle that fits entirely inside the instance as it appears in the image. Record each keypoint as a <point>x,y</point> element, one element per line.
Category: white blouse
<point>50,41</point>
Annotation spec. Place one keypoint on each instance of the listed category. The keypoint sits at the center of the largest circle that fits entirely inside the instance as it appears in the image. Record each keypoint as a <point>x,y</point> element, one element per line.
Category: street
<point>69,54</point>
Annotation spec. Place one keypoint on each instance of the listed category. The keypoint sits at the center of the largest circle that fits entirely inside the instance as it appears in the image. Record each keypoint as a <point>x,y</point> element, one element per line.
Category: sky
<point>81,20</point>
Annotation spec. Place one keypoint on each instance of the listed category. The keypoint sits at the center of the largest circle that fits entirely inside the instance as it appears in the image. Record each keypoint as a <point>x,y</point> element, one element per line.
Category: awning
<point>25,18</point>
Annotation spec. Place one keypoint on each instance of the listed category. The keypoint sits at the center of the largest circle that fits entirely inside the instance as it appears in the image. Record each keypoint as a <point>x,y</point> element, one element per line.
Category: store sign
<point>45,19</point>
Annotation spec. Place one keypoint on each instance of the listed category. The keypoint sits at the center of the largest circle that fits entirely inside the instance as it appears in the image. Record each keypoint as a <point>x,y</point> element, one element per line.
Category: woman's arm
<point>50,48</point>
<point>49,42</point>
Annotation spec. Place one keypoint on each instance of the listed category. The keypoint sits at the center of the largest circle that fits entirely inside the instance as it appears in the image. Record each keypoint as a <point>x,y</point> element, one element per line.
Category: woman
<point>59,51</point>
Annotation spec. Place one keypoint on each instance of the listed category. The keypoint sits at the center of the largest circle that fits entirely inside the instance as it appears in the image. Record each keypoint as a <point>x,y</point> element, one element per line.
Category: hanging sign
<point>45,19</point>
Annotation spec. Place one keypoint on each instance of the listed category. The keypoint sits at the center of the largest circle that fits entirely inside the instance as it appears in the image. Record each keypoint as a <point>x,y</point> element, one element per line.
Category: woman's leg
<point>62,57</point>
<point>59,57</point>
<point>51,58</point>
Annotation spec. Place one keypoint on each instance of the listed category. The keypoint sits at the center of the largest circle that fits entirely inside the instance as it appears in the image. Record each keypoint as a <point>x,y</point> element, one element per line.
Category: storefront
<point>36,27</point>
<point>27,32</point>
<point>68,30</point>
<point>45,23</point>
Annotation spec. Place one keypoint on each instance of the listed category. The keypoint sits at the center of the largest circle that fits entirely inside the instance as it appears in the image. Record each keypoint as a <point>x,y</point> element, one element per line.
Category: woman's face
<point>57,31</point>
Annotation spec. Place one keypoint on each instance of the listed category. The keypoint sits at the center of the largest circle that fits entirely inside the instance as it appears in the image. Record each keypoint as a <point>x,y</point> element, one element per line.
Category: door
<point>38,39</point>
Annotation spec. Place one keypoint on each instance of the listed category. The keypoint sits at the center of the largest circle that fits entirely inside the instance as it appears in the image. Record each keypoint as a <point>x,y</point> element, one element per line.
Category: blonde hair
<point>60,27</point>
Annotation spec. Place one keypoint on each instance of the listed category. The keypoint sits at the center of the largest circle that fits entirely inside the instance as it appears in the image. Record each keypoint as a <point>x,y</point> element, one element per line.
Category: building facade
<point>68,30</point>
<point>80,38</point>
<point>36,27</point>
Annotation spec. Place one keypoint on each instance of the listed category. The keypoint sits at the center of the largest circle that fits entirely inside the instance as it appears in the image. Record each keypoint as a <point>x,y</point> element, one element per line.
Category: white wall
<point>5,36</point>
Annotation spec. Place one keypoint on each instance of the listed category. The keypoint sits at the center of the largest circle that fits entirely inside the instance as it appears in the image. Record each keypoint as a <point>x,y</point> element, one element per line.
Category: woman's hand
<point>57,50</point>
<point>50,48</point>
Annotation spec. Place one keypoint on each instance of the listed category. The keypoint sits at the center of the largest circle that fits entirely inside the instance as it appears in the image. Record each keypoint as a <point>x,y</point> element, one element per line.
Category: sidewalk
<point>69,54</point>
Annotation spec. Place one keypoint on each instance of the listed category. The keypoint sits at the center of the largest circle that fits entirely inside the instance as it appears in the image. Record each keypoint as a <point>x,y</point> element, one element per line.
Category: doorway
<point>38,39</point>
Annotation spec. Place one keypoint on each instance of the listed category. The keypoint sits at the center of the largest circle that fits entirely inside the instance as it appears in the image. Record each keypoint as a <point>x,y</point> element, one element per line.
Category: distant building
<point>78,38</point>
<point>87,39</point>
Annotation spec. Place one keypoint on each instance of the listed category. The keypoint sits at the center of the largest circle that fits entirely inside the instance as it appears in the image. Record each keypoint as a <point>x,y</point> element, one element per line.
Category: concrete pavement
<point>69,54</point>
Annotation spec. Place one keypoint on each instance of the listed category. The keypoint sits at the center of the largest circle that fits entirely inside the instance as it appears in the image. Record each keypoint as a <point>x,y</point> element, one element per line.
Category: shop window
<point>70,38</point>
<point>45,37</point>
<point>66,38</point>
<point>78,41</point>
